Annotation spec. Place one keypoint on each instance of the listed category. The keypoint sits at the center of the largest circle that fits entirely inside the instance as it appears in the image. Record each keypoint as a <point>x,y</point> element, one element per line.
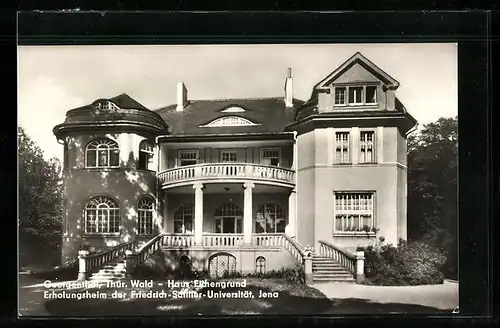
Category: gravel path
<point>443,297</point>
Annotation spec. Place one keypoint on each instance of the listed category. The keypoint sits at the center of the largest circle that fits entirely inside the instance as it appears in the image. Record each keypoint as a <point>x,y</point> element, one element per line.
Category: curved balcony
<point>227,172</point>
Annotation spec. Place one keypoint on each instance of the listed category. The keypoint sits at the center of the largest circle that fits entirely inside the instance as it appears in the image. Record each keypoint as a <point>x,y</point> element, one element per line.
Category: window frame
<point>221,213</point>
<point>349,146</point>
<point>376,96</point>
<point>85,215</point>
<point>181,151</point>
<point>152,211</point>
<point>258,265</point>
<point>227,151</point>
<point>363,100</point>
<point>109,149</point>
<point>277,208</point>
<point>344,104</point>
<point>374,145</point>
<point>262,150</point>
<point>150,153</point>
<point>361,232</point>
<point>184,215</point>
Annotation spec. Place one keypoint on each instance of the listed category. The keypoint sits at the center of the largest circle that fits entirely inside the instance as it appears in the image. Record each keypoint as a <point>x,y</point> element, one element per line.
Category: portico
<point>203,211</point>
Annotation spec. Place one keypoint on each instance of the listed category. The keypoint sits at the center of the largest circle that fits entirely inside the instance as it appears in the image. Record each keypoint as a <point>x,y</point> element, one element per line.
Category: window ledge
<point>342,163</point>
<point>354,234</point>
<point>101,235</point>
<point>367,163</point>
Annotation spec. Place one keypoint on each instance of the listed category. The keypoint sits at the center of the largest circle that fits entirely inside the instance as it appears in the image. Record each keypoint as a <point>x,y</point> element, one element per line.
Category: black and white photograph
<point>238,179</point>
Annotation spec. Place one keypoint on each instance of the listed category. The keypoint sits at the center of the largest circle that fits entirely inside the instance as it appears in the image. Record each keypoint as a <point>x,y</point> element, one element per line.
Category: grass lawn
<point>291,299</point>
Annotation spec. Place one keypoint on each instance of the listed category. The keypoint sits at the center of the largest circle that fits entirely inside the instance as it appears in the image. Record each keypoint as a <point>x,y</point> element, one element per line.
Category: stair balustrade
<point>90,262</point>
<point>352,262</point>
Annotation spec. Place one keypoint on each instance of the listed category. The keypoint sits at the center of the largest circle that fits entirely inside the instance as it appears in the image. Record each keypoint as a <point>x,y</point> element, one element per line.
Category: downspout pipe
<point>296,157</point>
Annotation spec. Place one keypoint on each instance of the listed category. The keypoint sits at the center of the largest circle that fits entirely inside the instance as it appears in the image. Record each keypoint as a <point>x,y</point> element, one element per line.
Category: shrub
<point>293,275</point>
<point>413,263</point>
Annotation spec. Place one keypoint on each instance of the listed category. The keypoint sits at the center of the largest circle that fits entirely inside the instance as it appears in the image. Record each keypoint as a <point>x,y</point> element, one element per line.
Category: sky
<point>55,79</point>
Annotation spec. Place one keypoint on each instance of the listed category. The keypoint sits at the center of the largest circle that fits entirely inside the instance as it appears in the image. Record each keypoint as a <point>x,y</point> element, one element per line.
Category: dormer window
<point>233,109</point>
<point>356,95</point>
<point>106,105</point>
<point>229,121</point>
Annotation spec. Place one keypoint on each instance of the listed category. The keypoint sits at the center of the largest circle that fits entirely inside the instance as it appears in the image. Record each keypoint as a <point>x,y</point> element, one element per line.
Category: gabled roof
<point>122,101</point>
<point>269,114</point>
<point>358,58</point>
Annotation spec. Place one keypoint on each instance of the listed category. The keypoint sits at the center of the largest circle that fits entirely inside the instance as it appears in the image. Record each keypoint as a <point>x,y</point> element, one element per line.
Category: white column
<point>247,212</point>
<point>198,213</point>
<point>291,228</point>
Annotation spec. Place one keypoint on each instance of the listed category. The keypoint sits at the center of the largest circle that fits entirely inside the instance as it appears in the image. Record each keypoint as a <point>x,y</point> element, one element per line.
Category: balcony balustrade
<point>229,171</point>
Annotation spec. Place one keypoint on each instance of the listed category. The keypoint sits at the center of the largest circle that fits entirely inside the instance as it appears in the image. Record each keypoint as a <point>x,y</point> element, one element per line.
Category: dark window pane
<point>91,158</point>
<point>142,161</point>
<point>371,95</point>
<point>115,158</point>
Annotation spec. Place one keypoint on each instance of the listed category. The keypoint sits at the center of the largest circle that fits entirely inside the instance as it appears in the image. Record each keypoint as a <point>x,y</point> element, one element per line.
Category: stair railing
<point>90,262</point>
<point>143,253</point>
<point>352,262</point>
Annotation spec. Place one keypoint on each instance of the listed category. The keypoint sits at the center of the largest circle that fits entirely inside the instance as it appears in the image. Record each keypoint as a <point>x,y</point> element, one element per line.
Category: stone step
<point>331,271</point>
<point>336,274</point>
<point>336,279</point>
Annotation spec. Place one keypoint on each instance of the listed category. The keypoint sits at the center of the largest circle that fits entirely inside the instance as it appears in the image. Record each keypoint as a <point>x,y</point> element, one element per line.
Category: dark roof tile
<point>270,114</point>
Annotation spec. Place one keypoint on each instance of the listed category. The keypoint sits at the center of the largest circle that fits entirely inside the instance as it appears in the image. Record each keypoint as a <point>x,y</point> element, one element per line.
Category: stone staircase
<point>327,270</point>
<point>114,270</point>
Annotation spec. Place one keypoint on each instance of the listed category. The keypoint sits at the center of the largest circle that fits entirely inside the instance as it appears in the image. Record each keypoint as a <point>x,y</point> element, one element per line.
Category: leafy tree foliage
<point>40,200</point>
<point>432,188</point>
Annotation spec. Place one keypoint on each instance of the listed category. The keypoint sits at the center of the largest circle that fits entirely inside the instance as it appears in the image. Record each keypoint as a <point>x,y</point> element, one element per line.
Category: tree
<point>432,187</point>
<point>40,200</point>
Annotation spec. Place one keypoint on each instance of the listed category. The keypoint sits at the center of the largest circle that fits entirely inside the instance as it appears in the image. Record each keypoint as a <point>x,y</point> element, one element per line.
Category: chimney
<point>289,90</point>
<point>181,96</point>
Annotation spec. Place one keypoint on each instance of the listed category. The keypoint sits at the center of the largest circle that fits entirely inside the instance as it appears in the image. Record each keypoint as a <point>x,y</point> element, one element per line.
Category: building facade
<point>232,174</point>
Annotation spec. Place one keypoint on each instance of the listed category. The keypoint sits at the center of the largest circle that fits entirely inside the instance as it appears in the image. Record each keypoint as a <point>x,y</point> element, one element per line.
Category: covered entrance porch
<point>227,214</point>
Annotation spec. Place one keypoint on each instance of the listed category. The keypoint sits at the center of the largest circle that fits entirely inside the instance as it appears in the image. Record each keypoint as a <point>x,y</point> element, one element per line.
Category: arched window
<point>228,219</point>
<point>260,265</point>
<point>270,219</point>
<point>102,153</point>
<point>145,210</point>
<point>146,156</point>
<point>183,219</point>
<point>230,121</point>
<point>102,216</point>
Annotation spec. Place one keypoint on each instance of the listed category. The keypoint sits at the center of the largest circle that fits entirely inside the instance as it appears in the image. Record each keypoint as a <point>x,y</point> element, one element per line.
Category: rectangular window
<point>228,156</point>
<point>356,95</point>
<point>188,157</point>
<point>270,156</point>
<point>340,95</point>
<point>366,147</point>
<point>371,95</point>
<point>342,147</point>
<point>354,212</point>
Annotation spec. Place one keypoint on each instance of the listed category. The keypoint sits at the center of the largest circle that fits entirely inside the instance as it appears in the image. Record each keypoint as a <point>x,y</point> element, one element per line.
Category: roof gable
<point>360,66</point>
